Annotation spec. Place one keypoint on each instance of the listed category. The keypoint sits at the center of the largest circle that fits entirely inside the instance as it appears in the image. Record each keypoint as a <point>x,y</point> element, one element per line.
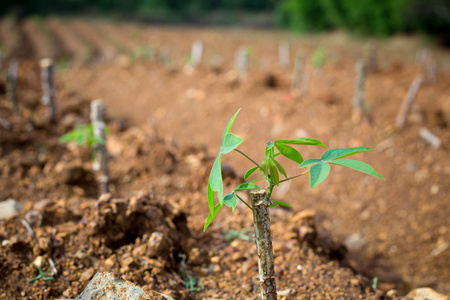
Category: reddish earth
<point>166,124</point>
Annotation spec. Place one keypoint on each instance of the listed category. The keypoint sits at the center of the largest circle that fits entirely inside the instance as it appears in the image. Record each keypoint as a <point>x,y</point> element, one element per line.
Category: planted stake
<point>407,103</point>
<point>358,100</point>
<point>11,83</point>
<point>196,53</point>
<point>430,138</point>
<point>48,97</point>
<point>372,61</point>
<point>263,238</point>
<point>101,157</point>
<point>298,70</point>
<point>241,62</point>
<point>283,55</point>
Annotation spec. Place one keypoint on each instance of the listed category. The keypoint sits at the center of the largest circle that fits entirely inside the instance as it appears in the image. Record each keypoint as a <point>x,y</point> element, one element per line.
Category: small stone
<point>87,274</point>
<point>34,218</point>
<point>39,261</point>
<point>284,293</point>
<point>426,293</point>
<point>216,268</point>
<point>110,261</point>
<point>355,242</point>
<point>434,189</point>
<point>215,259</point>
<point>391,293</point>
<point>9,208</point>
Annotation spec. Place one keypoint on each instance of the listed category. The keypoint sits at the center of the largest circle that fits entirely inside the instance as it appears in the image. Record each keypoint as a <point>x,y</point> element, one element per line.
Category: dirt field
<point>166,123</point>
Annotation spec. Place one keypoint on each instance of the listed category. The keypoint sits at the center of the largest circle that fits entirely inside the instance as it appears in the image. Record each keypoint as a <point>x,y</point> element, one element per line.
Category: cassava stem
<point>97,113</point>
<point>263,238</point>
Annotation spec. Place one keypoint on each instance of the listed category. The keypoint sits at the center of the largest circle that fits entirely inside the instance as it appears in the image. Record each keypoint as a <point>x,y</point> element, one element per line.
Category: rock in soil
<point>106,286</point>
<point>425,293</point>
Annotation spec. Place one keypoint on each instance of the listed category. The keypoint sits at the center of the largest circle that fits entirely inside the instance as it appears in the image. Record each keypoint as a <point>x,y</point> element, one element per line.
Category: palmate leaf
<point>274,173</point>
<point>230,199</point>
<point>212,215</point>
<point>247,186</point>
<point>280,167</point>
<point>289,152</point>
<point>320,167</point>
<point>250,172</point>
<point>279,203</point>
<point>230,143</point>
<point>340,153</point>
<point>215,183</point>
<point>318,173</point>
<point>357,165</point>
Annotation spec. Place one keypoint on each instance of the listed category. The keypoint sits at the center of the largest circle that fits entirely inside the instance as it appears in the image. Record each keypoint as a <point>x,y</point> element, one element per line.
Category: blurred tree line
<point>139,8</point>
<point>374,17</point>
<point>379,17</point>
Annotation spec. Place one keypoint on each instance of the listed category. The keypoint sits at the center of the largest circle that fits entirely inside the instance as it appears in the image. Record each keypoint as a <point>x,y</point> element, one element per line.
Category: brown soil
<point>166,123</point>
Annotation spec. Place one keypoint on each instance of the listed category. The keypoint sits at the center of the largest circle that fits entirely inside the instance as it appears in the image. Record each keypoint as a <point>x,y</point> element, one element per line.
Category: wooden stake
<point>372,60</point>
<point>11,83</point>
<point>298,70</point>
<point>263,239</point>
<point>241,62</point>
<point>283,55</point>
<point>48,97</point>
<point>407,103</point>
<point>430,138</point>
<point>196,53</point>
<point>358,100</point>
<point>102,156</point>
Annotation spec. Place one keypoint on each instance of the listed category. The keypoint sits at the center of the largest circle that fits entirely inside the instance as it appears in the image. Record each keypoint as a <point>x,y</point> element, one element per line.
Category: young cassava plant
<point>84,134</point>
<point>261,201</point>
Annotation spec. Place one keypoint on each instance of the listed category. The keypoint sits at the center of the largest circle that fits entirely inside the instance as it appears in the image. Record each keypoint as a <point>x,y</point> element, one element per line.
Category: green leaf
<point>280,167</point>
<point>69,137</point>
<point>230,142</point>
<point>215,178</point>
<point>318,173</point>
<point>98,140</point>
<point>340,153</point>
<point>289,152</point>
<point>357,165</point>
<point>274,173</point>
<point>210,193</point>
<point>228,128</point>
<point>269,152</point>
<point>247,186</point>
<point>281,203</point>
<point>211,216</point>
<point>230,200</point>
<point>249,172</point>
<point>309,162</point>
<point>81,139</point>
<point>264,167</point>
<point>302,141</point>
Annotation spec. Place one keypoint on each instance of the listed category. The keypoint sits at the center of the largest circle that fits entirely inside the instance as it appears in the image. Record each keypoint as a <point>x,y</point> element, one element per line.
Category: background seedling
<point>261,201</point>
<point>318,57</point>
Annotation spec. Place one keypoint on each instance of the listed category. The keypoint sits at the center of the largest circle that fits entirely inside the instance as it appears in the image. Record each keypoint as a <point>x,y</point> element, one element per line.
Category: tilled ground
<point>395,230</point>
